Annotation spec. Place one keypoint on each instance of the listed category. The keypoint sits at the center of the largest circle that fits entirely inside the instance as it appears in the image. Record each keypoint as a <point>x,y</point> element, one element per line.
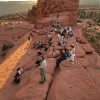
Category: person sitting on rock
<point>42,45</point>
<point>62,41</point>
<point>49,37</point>
<point>55,28</point>
<point>39,52</point>
<point>16,78</point>
<point>19,71</point>
<point>49,43</point>
<point>70,31</point>
<point>59,39</point>
<point>46,46</point>
<point>72,58</point>
<point>61,58</point>
<point>39,45</point>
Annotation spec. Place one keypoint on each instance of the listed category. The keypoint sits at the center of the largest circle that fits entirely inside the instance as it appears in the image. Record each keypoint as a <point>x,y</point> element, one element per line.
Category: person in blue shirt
<point>62,57</point>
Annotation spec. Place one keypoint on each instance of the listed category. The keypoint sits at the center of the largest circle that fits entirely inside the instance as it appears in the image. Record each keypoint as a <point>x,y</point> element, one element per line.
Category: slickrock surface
<point>78,81</point>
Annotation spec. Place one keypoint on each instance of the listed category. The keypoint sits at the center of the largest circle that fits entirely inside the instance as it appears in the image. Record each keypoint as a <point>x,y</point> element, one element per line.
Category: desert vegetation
<point>95,16</point>
<point>91,29</point>
<point>14,16</point>
<point>4,49</point>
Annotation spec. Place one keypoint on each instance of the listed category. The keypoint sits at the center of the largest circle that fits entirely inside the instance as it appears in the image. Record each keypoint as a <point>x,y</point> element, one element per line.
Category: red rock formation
<point>48,7</point>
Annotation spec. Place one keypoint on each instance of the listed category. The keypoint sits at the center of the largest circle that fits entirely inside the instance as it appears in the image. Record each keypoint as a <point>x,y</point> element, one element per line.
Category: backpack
<point>68,54</point>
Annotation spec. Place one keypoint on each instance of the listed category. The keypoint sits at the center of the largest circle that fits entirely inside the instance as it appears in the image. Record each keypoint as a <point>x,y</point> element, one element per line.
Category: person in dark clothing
<point>16,78</point>
<point>49,43</point>
<point>29,38</point>
<point>61,58</point>
<point>39,52</point>
<point>38,60</point>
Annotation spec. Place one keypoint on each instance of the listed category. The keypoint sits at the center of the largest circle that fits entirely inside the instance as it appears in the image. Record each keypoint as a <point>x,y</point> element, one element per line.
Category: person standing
<point>42,71</point>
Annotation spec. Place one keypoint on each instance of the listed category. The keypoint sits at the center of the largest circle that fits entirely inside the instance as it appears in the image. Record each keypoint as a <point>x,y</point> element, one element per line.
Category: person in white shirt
<point>59,36</point>
<point>62,40</point>
<point>49,36</point>
<point>42,71</point>
<point>70,31</point>
<point>20,71</point>
<point>72,58</point>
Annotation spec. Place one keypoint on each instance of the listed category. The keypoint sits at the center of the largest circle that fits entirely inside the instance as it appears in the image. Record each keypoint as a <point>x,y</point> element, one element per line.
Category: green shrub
<point>6,47</point>
<point>92,39</point>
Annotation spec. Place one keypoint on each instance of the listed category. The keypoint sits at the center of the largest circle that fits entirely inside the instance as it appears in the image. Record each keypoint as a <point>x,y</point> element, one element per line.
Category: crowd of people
<point>62,33</point>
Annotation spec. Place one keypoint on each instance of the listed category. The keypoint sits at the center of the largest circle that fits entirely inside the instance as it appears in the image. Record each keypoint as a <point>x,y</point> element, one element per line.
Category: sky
<point>18,0</point>
<point>93,2</point>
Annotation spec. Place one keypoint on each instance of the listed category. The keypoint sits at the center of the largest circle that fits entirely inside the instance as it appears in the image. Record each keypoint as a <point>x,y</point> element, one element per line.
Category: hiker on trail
<point>72,58</point>
<point>42,71</point>
<point>61,58</point>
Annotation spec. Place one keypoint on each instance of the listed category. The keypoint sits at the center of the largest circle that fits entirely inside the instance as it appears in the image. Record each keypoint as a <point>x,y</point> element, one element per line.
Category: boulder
<point>88,49</point>
<point>83,41</point>
<point>79,52</point>
<point>78,39</point>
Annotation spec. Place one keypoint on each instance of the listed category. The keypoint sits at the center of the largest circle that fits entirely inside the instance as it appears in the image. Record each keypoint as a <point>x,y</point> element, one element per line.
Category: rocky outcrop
<point>56,6</point>
<point>50,7</point>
